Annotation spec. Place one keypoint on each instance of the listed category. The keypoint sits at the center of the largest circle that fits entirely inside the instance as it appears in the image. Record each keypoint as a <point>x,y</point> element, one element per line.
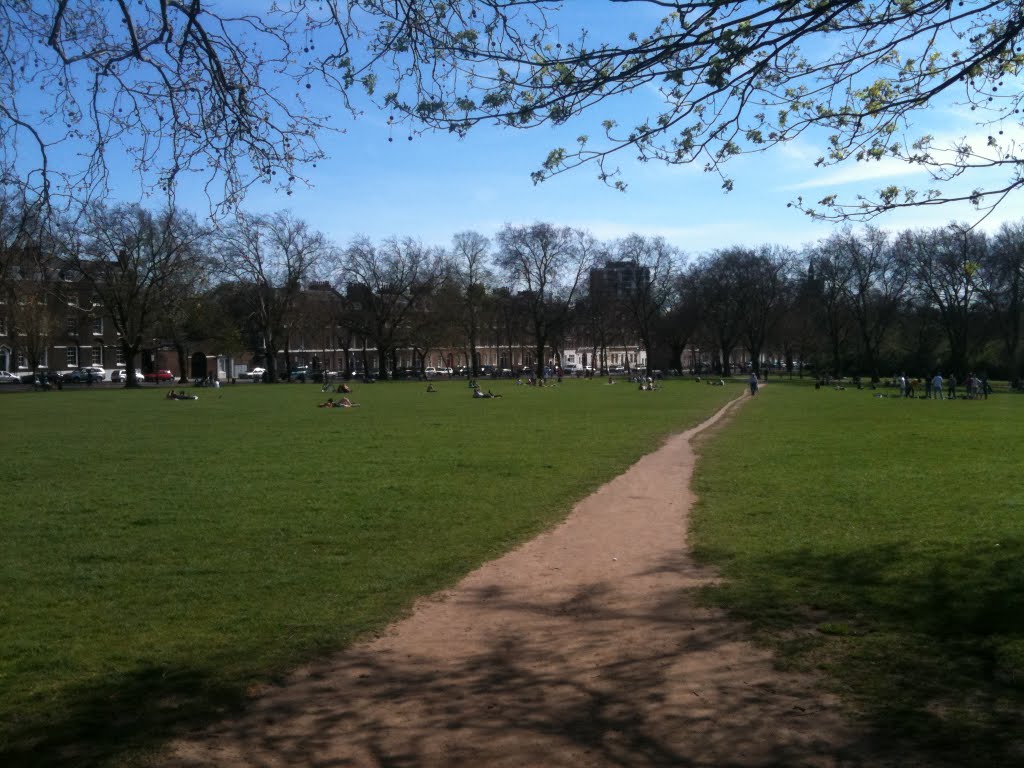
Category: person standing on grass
<point>753,382</point>
<point>937,386</point>
<point>952,386</point>
<point>928,387</point>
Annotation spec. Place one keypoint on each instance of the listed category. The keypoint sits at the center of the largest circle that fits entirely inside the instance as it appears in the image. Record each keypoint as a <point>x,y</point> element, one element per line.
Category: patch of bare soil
<point>584,647</point>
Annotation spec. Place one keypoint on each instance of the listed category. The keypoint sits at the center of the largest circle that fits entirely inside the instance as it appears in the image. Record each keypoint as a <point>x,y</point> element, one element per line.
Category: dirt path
<point>584,647</point>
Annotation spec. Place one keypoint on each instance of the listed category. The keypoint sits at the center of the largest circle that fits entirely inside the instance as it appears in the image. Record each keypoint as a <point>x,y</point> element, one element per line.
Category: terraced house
<point>51,320</point>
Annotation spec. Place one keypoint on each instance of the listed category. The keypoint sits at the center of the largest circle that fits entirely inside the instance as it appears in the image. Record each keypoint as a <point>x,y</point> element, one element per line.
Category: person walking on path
<point>753,382</point>
<point>937,386</point>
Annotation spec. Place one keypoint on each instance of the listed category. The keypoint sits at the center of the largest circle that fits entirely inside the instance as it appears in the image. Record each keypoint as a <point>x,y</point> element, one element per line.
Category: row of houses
<point>78,332</point>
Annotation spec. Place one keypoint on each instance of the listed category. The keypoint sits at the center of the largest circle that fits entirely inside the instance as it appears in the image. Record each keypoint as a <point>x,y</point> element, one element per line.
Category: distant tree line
<point>866,302</point>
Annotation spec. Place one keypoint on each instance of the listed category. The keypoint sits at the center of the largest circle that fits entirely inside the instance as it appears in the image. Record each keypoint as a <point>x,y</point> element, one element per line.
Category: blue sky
<point>436,185</point>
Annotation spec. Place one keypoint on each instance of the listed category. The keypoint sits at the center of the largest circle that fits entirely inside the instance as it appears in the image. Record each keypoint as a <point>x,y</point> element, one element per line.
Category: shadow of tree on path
<point>596,681</point>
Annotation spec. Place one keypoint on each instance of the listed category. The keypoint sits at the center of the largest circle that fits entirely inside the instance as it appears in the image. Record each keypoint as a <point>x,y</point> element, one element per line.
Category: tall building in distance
<point>617,280</point>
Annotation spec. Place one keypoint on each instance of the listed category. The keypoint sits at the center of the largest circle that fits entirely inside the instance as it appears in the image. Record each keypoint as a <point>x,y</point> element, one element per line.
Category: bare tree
<point>546,265</point>
<point>946,263</point>
<point>388,282</point>
<point>830,276</point>
<point>271,258</point>
<point>138,265</point>
<point>471,255</point>
<point>179,88</point>
<point>715,282</point>
<point>879,278</point>
<point>646,298</point>
<point>1001,283</point>
<point>763,274</point>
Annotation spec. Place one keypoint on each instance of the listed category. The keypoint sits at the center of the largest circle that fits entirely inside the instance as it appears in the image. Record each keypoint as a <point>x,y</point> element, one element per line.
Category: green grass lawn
<point>157,557</point>
<point>881,540</point>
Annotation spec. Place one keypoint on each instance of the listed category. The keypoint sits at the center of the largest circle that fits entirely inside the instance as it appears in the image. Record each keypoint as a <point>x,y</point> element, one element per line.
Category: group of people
<point>937,388</point>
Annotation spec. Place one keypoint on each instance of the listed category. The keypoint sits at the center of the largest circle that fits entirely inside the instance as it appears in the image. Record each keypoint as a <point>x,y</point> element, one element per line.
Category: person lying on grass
<point>342,403</point>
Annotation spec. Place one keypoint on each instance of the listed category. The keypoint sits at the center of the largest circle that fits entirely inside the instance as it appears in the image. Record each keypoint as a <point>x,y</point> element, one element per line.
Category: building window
<point>23,361</point>
<point>3,326</point>
<point>72,357</point>
<point>71,325</point>
<point>97,326</point>
<point>97,356</point>
<point>120,355</point>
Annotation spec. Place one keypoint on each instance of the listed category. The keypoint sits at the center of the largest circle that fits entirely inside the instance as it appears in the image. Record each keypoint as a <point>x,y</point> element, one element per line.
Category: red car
<point>162,375</point>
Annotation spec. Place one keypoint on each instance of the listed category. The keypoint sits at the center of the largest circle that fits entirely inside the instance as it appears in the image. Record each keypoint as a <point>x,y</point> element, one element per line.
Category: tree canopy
<point>727,78</point>
<point>184,87</point>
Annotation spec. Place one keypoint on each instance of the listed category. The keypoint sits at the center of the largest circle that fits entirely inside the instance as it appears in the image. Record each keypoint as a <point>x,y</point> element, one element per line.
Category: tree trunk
<point>539,363</point>
<point>129,353</point>
<point>182,363</point>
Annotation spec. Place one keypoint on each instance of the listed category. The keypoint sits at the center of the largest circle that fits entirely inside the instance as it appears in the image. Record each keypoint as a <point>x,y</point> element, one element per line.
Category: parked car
<point>161,375</point>
<point>6,377</point>
<point>256,374</point>
<point>121,375</point>
<point>86,374</point>
<point>430,372</point>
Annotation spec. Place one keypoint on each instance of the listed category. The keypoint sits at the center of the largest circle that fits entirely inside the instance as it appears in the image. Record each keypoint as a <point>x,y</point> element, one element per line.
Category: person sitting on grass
<point>344,389</point>
<point>479,393</point>
<point>430,387</point>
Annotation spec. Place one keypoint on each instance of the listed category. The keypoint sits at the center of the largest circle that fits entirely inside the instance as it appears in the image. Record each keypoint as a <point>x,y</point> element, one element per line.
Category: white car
<point>121,375</point>
<point>6,377</point>
<point>256,374</point>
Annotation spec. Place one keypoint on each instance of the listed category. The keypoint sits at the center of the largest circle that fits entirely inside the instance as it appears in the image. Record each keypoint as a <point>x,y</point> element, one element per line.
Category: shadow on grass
<point>928,643</point>
<point>582,676</point>
<point>102,724</point>
<point>929,646</point>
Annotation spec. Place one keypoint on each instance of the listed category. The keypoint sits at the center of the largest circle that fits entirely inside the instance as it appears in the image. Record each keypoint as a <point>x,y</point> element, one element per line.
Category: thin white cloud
<point>859,173</point>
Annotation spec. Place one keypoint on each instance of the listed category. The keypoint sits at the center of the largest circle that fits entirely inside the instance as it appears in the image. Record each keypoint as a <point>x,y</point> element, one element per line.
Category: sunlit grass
<point>882,540</point>
<point>158,557</point>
